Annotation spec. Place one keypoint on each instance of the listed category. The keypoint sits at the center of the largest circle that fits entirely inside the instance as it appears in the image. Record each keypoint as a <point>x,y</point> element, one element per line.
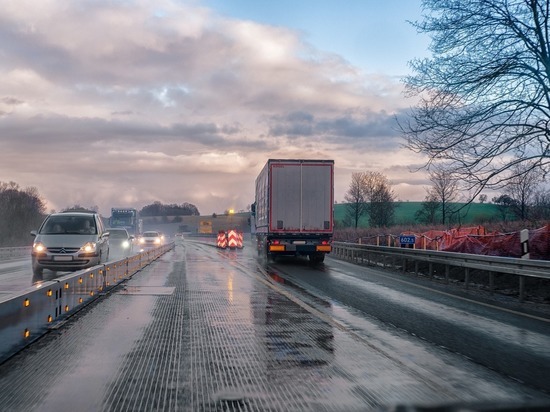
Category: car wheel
<point>37,271</point>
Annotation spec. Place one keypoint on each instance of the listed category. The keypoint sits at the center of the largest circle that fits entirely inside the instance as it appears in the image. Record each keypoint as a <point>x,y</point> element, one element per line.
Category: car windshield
<point>118,234</point>
<point>150,234</point>
<point>75,225</point>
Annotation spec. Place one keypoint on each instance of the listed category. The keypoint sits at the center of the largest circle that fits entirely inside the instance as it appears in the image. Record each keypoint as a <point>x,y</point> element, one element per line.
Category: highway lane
<point>508,337</point>
<point>15,275</point>
<point>208,329</point>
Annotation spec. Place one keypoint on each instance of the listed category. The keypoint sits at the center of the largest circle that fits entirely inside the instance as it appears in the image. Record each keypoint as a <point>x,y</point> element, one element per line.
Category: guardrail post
<point>431,269</point>
<point>524,239</point>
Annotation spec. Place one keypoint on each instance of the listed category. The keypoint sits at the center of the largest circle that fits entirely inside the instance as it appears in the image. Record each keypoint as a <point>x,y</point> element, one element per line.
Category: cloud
<point>125,103</point>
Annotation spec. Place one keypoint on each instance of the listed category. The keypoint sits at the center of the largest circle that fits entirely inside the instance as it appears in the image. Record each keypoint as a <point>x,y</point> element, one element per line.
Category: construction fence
<point>476,240</point>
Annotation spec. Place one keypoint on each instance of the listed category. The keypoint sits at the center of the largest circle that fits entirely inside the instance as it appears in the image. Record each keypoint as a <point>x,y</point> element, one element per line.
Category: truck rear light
<point>325,242</point>
<point>275,242</point>
<point>323,248</point>
<point>276,248</point>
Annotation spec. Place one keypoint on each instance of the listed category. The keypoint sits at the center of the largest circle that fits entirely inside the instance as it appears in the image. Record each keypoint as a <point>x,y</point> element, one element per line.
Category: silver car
<point>121,243</point>
<point>69,241</point>
<point>150,239</point>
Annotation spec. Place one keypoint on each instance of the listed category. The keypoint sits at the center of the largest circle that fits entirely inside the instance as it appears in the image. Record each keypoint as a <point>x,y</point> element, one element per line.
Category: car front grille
<point>62,250</point>
<point>69,263</point>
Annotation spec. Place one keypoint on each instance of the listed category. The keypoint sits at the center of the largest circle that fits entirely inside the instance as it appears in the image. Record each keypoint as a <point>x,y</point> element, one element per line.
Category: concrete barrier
<point>29,314</point>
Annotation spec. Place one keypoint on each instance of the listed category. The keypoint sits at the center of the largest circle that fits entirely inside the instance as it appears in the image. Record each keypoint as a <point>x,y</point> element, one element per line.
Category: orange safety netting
<point>476,240</point>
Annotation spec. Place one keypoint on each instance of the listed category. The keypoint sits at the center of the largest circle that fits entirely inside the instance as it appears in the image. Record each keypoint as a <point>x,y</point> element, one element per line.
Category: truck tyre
<point>316,258</point>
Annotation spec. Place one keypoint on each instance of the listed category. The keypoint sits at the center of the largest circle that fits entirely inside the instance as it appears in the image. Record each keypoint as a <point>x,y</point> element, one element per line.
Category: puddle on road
<point>147,290</point>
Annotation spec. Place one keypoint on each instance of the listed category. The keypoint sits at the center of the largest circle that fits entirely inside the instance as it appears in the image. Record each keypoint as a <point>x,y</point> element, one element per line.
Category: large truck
<point>293,208</point>
<point>127,218</point>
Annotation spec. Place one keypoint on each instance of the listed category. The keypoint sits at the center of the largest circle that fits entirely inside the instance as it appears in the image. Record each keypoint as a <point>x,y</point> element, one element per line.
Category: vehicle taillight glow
<point>275,242</point>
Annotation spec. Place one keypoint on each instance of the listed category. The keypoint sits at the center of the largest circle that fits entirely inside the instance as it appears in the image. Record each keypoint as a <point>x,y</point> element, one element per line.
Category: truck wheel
<point>316,258</point>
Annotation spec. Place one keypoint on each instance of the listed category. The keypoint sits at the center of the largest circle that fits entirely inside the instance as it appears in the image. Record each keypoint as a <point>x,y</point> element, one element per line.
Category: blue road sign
<point>407,239</point>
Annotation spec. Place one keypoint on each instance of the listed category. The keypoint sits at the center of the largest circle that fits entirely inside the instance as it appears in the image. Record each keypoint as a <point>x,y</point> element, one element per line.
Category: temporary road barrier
<point>222,240</point>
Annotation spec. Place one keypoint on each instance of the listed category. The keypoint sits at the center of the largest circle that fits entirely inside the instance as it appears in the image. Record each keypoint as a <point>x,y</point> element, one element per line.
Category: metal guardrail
<point>29,314</point>
<point>395,257</point>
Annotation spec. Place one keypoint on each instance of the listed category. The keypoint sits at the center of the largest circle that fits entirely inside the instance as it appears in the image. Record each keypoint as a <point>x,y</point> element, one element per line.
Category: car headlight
<point>89,247</point>
<point>38,247</point>
<point>141,240</point>
<point>157,240</point>
<point>125,244</point>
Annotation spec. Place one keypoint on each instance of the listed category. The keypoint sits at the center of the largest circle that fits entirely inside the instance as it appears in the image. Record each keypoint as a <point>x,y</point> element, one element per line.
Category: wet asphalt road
<point>511,338</point>
<point>15,275</point>
<point>202,329</point>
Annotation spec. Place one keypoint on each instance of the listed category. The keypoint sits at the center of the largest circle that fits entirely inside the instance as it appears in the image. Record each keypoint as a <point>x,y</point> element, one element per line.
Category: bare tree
<point>21,210</point>
<point>445,190</point>
<point>79,208</point>
<point>428,210</point>
<point>541,205</point>
<point>484,95</point>
<point>381,199</point>
<point>505,205</point>
<point>522,188</point>
<point>356,206</point>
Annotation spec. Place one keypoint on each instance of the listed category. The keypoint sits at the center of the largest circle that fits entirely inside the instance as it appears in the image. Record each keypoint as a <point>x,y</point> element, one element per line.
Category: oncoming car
<point>121,243</point>
<point>69,241</point>
<point>150,239</point>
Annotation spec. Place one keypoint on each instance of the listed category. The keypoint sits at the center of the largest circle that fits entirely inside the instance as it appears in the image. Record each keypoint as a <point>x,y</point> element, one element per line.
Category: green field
<point>474,213</point>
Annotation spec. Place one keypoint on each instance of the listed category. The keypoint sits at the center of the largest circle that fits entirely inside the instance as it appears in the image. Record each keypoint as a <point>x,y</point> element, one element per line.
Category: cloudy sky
<point>127,102</point>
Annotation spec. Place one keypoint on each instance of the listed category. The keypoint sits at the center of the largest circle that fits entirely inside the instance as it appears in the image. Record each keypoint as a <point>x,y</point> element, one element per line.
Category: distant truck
<point>293,209</point>
<point>127,218</point>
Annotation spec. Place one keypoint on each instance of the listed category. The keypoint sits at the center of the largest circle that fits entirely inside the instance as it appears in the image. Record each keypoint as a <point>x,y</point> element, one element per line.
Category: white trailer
<point>293,208</point>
